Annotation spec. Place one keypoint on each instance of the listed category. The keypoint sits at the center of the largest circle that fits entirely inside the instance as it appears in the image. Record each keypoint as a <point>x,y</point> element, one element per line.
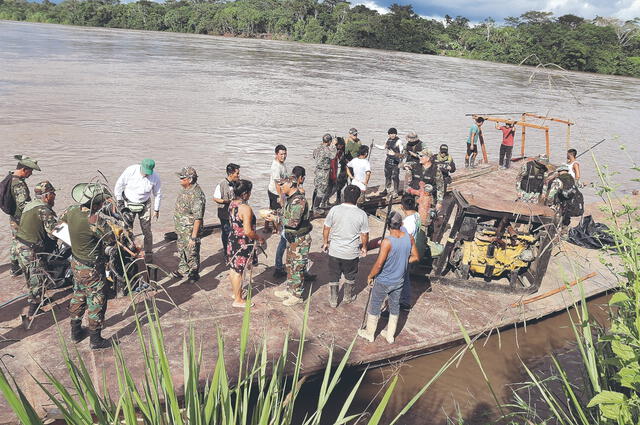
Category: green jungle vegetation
<point>602,45</point>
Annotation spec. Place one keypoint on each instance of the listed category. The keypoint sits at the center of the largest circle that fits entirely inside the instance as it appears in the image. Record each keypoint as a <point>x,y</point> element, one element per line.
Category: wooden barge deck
<point>206,306</point>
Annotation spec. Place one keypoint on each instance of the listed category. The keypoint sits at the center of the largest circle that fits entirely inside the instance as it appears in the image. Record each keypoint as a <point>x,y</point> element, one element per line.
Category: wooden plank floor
<point>206,306</point>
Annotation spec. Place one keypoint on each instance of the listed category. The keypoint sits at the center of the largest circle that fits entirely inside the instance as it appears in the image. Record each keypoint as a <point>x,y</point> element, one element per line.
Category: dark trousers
<point>282,247</point>
<point>225,229</point>
<point>391,174</point>
<point>505,155</point>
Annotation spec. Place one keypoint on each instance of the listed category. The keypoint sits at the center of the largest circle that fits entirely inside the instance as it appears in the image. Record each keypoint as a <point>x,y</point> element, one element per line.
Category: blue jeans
<point>378,294</point>
<point>405,296</point>
<point>282,247</point>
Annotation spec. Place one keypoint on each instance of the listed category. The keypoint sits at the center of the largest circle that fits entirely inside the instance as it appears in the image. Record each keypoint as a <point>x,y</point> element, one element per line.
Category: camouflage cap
<point>412,136</point>
<point>563,167</point>
<point>543,159</point>
<point>187,172</point>
<point>27,162</point>
<point>43,188</point>
<point>353,131</point>
<point>327,138</point>
<point>425,152</point>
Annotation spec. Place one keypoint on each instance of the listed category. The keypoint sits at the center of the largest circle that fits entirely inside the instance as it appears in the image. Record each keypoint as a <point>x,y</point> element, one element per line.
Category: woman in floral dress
<point>240,249</point>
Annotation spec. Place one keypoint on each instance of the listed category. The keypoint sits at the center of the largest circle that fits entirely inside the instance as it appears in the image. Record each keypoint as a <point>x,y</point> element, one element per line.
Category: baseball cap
<point>187,172</point>
<point>412,136</point>
<point>444,147</point>
<point>353,131</point>
<point>147,165</point>
<point>43,187</point>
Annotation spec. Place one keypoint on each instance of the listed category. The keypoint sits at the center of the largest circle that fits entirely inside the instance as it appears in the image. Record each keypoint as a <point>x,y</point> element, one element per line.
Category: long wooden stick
<point>484,148</point>
<point>554,291</point>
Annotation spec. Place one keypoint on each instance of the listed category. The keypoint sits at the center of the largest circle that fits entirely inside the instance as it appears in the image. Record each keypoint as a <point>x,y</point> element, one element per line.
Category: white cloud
<point>372,5</point>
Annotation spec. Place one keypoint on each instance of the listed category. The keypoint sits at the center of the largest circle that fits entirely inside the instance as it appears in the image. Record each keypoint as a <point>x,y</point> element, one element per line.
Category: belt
<point>31,245</point>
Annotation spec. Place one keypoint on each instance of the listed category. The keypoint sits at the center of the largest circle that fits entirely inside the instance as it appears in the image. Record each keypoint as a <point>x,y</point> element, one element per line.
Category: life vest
<point>426,175</point>
<point>568,189</point>
<point>533,180</point>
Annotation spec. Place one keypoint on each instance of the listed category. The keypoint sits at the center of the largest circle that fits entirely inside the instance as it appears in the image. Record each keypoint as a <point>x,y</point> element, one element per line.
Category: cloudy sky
<point>499,9</point>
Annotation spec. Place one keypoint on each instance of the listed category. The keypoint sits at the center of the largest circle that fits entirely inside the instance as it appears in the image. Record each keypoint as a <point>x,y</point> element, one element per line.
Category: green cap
<point>147,165</point>
<point>43,187</point>
<point>85,192</point>
<point>27,162</point>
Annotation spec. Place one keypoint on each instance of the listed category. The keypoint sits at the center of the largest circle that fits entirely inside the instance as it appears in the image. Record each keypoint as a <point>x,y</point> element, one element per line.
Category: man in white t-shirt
<point>345,237</point>
<point>278,172</point>
<point>361,171</point>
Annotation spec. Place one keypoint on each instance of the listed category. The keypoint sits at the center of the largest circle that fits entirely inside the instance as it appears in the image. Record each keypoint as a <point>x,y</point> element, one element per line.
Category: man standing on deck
<point>133,192</point>
<point>345,237</point>
<point>361,172</point>
<point>323,155</point>
<point>18,197</point>
<point>352,145</point>
<point>472,142</point>
<point>446,164</point>
<point>428,184</point>
<point>223,195</point>
<point>278,172</point>
<point>188,216</point>
<point>297,228</point>
<point>394,148</point>
<point>89,234</point>
<point>34,240</point>
<point>531,178</point>
<point>506,147</point>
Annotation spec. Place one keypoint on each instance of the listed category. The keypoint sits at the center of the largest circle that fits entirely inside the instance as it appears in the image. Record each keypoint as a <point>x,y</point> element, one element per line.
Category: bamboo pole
<point>554,291</point>
<point>484,148</point>
<point>548,144</point>
<point>529,114</point>
<point>568,136</point>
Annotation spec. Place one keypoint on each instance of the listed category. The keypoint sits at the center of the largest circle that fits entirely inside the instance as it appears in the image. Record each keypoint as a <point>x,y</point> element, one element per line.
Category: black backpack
<point>7,202</point>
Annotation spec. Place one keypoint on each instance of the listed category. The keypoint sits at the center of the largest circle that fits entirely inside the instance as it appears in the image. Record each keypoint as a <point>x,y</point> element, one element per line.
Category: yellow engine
<point>491,256</point>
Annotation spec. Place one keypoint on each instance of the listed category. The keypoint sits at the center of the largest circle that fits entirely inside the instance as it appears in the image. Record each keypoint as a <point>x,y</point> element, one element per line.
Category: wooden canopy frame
<point>524,124</point>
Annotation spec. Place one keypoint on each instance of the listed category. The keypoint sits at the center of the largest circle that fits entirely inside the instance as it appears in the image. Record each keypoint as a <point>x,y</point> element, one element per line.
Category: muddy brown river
<point>88,100</point>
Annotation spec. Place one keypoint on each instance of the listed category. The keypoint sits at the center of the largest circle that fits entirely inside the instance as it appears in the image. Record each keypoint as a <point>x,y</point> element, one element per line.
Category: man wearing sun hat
<point>188,216</point>
<point>34,239</point>
<point>89,235</point>
<point>133,192</point>
<point>19,196</point>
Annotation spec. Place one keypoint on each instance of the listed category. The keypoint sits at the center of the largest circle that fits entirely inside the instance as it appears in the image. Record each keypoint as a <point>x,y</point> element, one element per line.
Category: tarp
<point>590,234</point>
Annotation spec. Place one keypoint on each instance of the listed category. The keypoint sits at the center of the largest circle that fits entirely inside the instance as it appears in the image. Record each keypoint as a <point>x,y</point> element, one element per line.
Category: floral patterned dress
<point>240,246</point>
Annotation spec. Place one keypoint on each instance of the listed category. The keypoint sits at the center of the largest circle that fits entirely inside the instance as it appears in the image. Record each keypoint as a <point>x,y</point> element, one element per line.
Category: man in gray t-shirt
<point>345,237</point>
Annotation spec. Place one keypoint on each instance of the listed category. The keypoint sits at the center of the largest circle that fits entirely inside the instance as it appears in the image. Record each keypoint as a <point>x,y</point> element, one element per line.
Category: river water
<point>86,99</point>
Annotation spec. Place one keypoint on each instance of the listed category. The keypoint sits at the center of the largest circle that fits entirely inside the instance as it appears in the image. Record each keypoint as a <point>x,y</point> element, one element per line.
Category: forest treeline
<point>602,45</point>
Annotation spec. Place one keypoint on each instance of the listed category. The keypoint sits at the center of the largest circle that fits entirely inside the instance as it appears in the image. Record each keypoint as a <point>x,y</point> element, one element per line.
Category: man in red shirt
<point>508,132</point>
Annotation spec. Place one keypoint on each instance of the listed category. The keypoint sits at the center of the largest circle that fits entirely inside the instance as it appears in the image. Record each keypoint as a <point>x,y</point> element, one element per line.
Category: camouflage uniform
<point>34,241</point>
<point>87,265</point>
<point>323,155</point>
<point>532,197</point>
<point>297,228</point>
<point>21,194</point>
<point>189,208</point>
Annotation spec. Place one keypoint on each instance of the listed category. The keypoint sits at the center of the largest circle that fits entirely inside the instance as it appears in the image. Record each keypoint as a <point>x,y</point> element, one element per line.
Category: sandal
<point>242,304</point>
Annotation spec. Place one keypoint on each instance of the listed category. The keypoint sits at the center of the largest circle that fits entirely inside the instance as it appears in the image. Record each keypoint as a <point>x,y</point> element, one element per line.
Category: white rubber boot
<point>390,332</point>
<point>369,333</point>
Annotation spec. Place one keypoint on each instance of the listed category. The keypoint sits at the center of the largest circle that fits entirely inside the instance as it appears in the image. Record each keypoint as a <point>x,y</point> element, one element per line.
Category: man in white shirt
<point>361,171</point>
<point>278,172</point>
<point>345,237</point>
<point>133,192</point>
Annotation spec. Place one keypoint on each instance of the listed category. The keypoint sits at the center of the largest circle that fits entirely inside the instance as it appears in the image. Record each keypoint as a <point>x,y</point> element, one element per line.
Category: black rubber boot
<point>78,333</point>
<point>16,270</point>
<point>349,296</point>
<point>333,298</point>
<point>96,341</point>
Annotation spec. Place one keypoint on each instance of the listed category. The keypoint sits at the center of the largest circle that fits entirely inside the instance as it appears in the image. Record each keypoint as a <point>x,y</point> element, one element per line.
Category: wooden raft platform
<point>206,306</point>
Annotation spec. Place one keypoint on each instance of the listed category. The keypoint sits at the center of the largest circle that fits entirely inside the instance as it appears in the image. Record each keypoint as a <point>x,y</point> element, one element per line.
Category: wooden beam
<point>548,145</point>
<point>542,117</point>
<point>568,137</point>
<point>520,123</point>
<point>524,135</point>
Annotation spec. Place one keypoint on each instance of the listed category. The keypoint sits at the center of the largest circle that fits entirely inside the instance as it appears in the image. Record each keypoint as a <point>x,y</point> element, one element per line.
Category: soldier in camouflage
<point>90,237</point>
<point>297,228</point>
<point>323,155</point>
<point>20,194</point>
<point>34,239</point>
<point>187,216</point>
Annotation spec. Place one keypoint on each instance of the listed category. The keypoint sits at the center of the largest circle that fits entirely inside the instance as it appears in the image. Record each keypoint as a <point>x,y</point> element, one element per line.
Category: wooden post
<point>524,134</point>
<point>546,136</point>
<point>484,148</point>
<point>568,136</point>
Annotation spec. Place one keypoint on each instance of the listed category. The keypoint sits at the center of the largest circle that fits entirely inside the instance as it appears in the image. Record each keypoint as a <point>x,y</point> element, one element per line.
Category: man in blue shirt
<point>472,142</point>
